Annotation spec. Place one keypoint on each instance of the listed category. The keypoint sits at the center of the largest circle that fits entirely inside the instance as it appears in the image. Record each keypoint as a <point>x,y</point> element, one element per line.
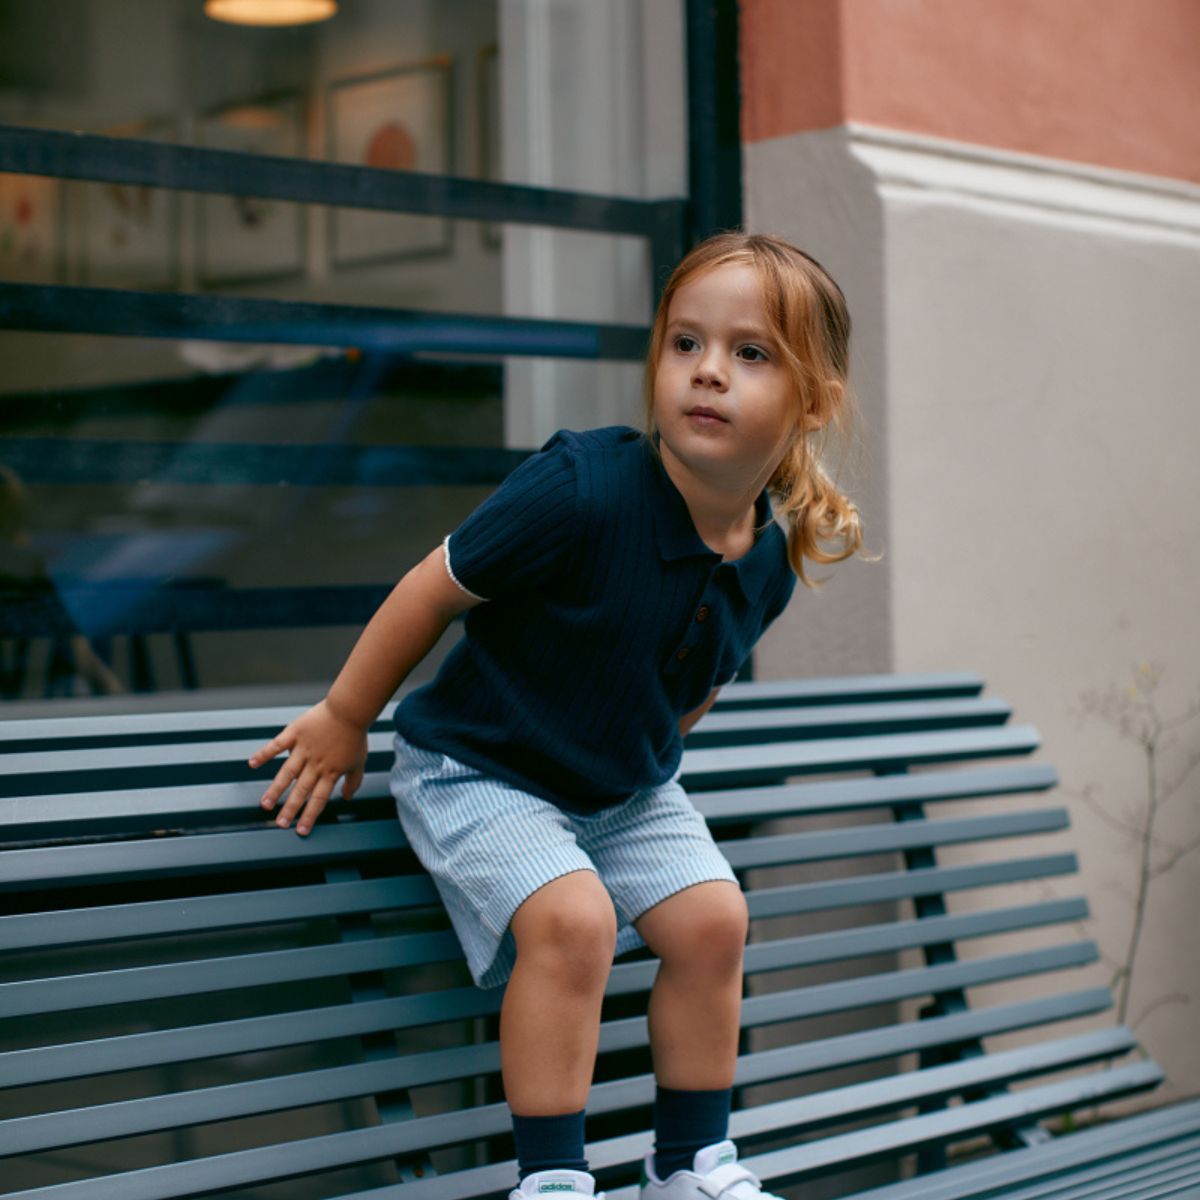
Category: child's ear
<point>814,418</point>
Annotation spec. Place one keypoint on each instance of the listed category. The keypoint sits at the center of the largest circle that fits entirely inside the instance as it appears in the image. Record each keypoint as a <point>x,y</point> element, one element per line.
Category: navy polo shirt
<point>607,619</point>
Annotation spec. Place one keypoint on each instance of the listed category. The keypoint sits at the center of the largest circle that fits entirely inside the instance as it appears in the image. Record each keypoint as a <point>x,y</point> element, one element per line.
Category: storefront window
<point>182,511</point>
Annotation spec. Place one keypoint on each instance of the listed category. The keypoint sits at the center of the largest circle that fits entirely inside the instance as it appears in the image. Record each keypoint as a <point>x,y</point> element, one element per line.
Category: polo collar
<point>678,538</point>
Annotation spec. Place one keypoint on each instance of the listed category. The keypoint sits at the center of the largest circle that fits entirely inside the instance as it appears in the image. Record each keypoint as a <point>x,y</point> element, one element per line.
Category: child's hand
<point>322,746</point>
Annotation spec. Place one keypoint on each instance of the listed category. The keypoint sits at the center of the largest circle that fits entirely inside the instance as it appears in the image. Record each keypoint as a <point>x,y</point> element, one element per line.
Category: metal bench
<point>195,1002</point>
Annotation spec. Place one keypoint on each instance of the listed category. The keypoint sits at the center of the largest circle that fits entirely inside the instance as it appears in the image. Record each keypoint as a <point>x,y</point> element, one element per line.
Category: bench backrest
<point>197,1002</point>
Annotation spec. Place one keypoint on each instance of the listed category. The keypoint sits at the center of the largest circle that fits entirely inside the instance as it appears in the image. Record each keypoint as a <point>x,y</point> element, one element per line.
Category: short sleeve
<point>520,534</point>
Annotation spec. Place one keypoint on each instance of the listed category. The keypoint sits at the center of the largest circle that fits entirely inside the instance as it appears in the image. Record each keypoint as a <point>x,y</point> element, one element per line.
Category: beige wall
<point>1026,353</point>
<point>1007,193</point>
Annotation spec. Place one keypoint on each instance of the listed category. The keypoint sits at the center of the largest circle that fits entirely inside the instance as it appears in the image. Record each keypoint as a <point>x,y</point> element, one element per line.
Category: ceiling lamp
<point>270,12</point>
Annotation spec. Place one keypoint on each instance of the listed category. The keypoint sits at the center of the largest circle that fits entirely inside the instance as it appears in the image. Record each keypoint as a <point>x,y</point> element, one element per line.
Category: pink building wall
<point>1115,83</point>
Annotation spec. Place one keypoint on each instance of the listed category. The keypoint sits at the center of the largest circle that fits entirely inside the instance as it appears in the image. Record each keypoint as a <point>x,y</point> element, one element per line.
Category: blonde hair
<point>810,323</point>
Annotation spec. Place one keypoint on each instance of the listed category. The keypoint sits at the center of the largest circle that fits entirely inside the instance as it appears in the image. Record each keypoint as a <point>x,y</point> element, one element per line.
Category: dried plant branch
<point>1172,789</point>
<point>1170,861</point>
<point>1161,1002</point>
<point>1111,820</point>
<point>1133,712</point>
<point>1189,714</point>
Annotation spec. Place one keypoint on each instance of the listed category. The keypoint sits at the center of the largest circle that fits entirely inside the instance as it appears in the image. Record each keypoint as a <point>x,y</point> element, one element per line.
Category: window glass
<point>182,513</point>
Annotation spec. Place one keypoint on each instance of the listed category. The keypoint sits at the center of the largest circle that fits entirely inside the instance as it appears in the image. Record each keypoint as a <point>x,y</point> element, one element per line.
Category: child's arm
<point>330,739</point>
<point>686,723</point>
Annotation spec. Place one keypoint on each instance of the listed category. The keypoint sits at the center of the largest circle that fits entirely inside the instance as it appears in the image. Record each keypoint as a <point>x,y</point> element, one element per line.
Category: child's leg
<point>550,1018</point>
<point>699,934</point>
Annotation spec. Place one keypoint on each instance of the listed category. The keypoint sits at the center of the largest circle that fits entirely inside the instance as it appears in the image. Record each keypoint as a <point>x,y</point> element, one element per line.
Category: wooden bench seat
<point>194,1002</point>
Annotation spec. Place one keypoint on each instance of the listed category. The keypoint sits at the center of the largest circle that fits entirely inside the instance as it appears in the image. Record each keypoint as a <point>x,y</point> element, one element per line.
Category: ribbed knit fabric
<point>549,1143</point>
<point>607,618</point>
<point>685,1122</point>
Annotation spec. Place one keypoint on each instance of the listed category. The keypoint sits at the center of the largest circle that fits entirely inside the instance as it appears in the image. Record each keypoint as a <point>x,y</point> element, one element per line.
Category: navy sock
<point>549,1143</point>
<point>685,1122</point>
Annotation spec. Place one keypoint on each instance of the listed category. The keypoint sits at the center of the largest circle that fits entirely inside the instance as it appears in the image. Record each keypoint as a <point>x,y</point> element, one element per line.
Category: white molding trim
<point>907,164</point>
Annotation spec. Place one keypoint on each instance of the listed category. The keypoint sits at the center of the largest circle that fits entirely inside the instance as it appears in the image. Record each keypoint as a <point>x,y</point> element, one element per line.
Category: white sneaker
<point>716,1172</point>
<point>548,1185</point>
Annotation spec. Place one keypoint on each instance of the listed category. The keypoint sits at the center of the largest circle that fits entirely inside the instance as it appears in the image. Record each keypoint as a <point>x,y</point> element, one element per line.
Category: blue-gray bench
<point>196,1003</point>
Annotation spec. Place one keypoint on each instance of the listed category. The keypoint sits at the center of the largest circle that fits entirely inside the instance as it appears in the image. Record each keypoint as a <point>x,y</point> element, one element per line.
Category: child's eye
<point>762,357</point>
<point>682,339</point>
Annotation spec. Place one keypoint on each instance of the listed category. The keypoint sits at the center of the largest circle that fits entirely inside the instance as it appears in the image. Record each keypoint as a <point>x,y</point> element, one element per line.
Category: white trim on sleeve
<point>450,571</point>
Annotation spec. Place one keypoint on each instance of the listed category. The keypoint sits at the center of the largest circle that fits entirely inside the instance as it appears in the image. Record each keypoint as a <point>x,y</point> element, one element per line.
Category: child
<point>615,581</point>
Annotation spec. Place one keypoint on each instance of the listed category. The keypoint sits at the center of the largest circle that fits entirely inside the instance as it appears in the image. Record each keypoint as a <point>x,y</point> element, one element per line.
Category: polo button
<point>702,613</point>
<point>681,654</point>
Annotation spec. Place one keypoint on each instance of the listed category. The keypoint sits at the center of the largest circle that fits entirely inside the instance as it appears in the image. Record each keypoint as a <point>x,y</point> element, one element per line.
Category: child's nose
<point>710,369</point>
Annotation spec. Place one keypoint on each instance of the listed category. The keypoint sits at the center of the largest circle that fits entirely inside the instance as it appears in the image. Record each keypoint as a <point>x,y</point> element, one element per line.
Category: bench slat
<point>55,814</point>
<point>854,1101</point>
<point>882,752</point>
<point>237,910</point>
<point>820,845</point>
<point>890,987</point>
<point>781,1167</point>
<point>623,1151</point>
<point>50,815</point>
<point>859,1100</point>
<point>153,739</point>
<point>154,764</point>
<point>331,1151</point>
<point>260,1033</point>
<point>145,727</point>
<point>142,726</point>
<point>279,848</point>
<point>223,1038</point>
<point>888,1041</point>
<point>1166,1171</point>
<point>173,763</point>
<point>149,858</point>
<point>129,1118</point>
<point>1166,1175</point>
<point>798,898</point>
<point>851,689</point>
<point>1149,1134</point>
<point>893,936</point>
<point>758,725</point>
<point>155,918</point>
<point>70,993</point>
<point>218,1039</point>
<point>881,791</point>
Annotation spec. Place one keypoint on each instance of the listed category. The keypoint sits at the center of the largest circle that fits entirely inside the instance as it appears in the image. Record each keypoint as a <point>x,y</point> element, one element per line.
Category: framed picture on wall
<point>243,238</point>
<point>126,234</point>
<point>30,229</point>
<point>487,92</point>
<point>399,120</point>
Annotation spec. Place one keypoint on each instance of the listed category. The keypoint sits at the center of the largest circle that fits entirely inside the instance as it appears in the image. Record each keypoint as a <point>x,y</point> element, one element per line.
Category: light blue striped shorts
<point>489,846</point>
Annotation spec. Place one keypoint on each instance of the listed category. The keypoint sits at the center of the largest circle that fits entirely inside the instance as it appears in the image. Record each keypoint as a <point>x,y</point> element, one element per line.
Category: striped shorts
<point>489,846</point>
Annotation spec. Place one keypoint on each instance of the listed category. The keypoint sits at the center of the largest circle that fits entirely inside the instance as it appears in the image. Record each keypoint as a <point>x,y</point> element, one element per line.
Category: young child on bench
<point>613,583</point>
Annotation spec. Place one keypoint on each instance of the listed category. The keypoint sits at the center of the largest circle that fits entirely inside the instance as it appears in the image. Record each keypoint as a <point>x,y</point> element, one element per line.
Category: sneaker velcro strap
<point>725,1178</point>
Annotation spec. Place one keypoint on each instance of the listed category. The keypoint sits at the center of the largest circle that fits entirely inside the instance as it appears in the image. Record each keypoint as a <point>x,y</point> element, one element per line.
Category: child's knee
<point>707,928</point>
<point>725,923</point>
<point>569,929</point>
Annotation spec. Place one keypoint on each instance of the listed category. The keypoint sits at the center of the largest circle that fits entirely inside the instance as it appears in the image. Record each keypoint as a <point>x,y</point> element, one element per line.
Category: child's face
<point>724,402</point>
